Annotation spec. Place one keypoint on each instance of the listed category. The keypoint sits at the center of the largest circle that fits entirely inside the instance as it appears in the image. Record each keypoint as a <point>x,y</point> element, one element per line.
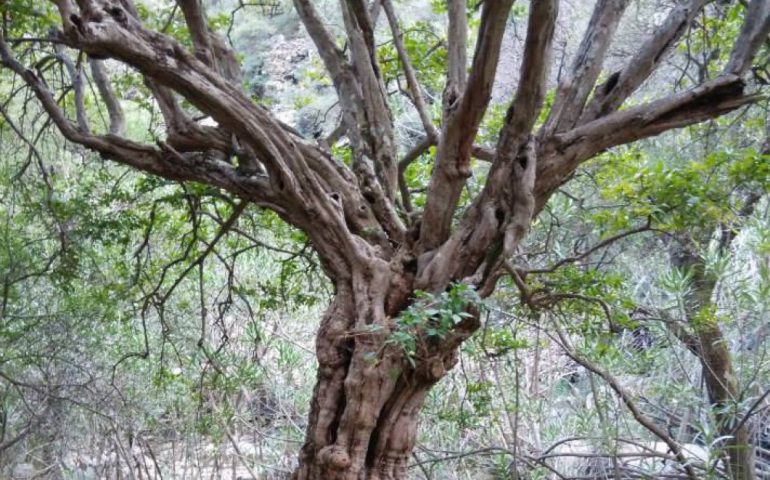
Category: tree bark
<point>722,387</point>
<point>367,397</point>
<point>711,348</point>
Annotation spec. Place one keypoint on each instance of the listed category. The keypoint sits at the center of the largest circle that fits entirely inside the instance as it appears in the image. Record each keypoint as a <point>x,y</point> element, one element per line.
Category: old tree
<point>378,249</point>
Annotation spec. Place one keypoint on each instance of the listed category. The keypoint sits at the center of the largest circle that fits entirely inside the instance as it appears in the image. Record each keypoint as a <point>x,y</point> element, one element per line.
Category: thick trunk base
<point>364,414</point>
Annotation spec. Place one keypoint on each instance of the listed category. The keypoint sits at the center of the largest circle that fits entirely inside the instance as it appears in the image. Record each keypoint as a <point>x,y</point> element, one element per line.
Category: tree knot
<point>118,14</point>
<point>436,368</point>
<point>335,457</point>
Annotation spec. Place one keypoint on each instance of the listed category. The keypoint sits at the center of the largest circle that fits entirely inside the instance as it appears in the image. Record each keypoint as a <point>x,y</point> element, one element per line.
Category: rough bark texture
<point>363,418</point>
<point>367,396</point>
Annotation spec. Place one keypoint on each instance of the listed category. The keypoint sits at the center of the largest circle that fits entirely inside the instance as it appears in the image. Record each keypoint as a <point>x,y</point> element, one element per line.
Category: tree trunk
<point>363,418</point>
<point>722,387</point>
<point>711,348</point>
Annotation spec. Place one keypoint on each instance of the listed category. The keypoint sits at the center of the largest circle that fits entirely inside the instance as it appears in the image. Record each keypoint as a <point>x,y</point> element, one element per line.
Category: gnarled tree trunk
<point>363,418</point>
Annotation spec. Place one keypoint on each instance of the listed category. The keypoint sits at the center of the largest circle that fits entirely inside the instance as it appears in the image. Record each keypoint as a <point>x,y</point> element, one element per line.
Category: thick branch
<point>374,122</point>
<point>331,55</point>
<point>182,133</point>
<point>756,27</point>
<point>338,68</point>
<point>195,18</point>
<point>566,151</point>
<point>478,152</point>
<point>711,99</point>
<point>577,86</point>
<point>500,217</point>
<point>461,123</point>
<point>365,112</point>
<point>457,44</point>
<point>510,188</point>
<point>209,47</point>
<point>619,87</point>
<point>528,101</point>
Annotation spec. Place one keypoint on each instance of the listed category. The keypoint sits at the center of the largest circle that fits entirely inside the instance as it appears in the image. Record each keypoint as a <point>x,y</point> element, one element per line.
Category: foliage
<point>432,316</point>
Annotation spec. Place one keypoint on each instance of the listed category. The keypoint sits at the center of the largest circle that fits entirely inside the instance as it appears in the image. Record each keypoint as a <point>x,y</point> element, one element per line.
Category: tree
<point>380,346</point>
<point>697,222</point>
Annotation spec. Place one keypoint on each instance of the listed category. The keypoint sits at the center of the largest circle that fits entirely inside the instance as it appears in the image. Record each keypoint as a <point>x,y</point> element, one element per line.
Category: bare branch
<point>195,18</point>
<point>182,133</point>
<point>224,229</point>
<point>457,44</point>
<point>365,111</point>
<point>75,73</point>
<point>461,123</point>
<point>501,215</point>
<point>375,123</point>
<point>159,162</point>
<point>577,86</point>
<point>629,402</point>
<point>415,92</point>
<point>711,99</point>
<point>478,152</point>
<point>209,47</point>
<point>619,87</point>
<point>104,86</point>
<point>604,243</point>
<point>331,55</point>
<point>336,64</point>
<point>528,101</point>
<point>756,27</point>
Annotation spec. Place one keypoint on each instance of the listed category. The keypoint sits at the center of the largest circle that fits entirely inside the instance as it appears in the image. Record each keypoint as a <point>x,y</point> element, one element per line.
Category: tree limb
<point>457,44</point>
<point>619,87</point>
<point>755,29</point>
<point>142,157</point>
<point>574,90</point>
<point>415,92</point>
<point>75,73</point>
<point>461,123</point>
<point>104,86</point>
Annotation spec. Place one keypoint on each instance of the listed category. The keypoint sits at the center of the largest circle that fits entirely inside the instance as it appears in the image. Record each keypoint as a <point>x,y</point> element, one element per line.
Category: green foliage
<point>417,175</point>
<point>585,293</point>
<point>494,119</point>
<point>432,317</point>
<point>426,46</point>
<point>675,194</point>
<point>25,18</point>
<point>498,340</point>
<point>440,7</point>
<point>710,41</point>
<point>165,17</point>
